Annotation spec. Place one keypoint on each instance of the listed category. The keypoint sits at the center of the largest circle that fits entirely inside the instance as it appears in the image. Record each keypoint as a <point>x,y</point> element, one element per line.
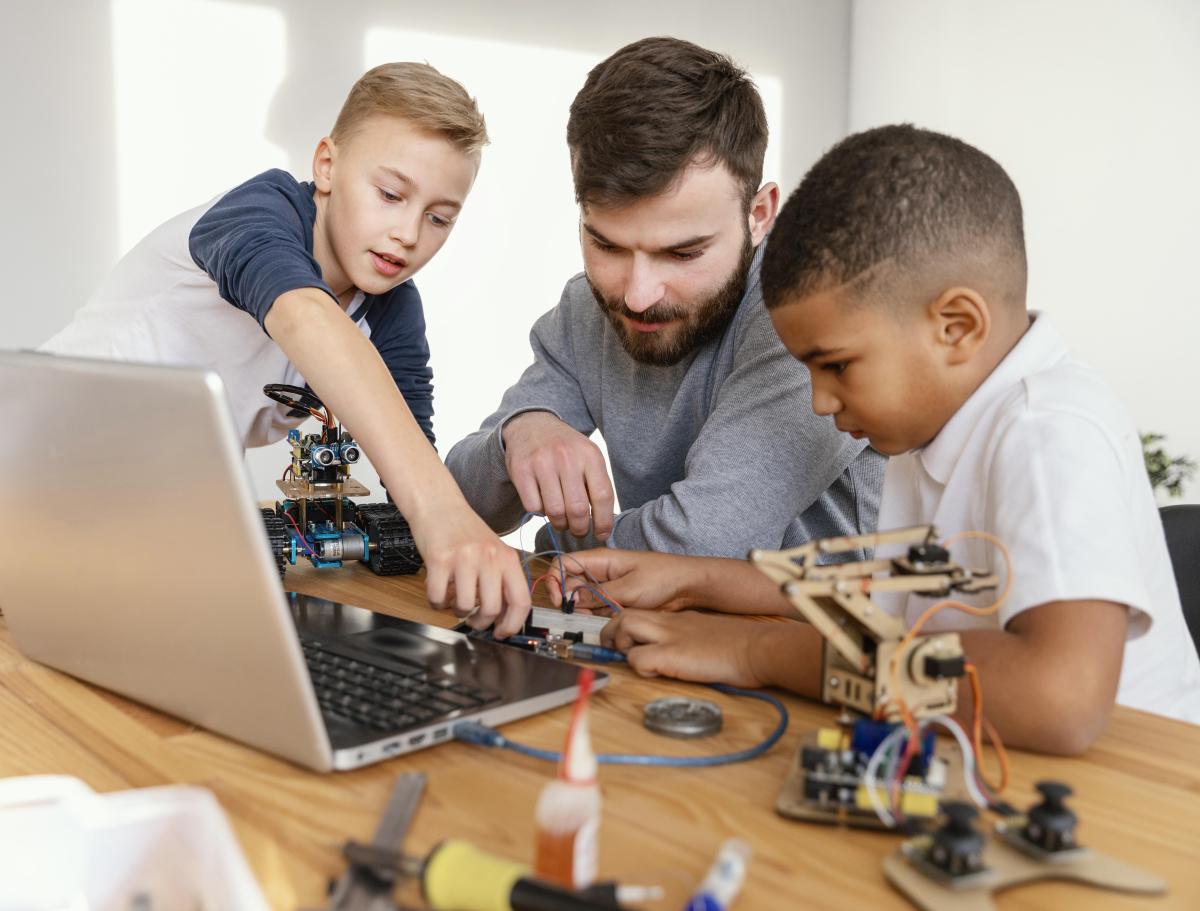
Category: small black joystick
<point>1050,824</point>
<point>957,847</point>
<point>928,556</point>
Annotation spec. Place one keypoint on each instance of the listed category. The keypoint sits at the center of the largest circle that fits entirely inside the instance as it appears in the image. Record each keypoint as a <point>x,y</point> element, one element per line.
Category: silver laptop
<point>133,556</point>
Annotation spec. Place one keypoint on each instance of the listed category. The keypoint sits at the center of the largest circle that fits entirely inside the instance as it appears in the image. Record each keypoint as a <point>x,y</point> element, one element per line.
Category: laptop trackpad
<point>401,645</point>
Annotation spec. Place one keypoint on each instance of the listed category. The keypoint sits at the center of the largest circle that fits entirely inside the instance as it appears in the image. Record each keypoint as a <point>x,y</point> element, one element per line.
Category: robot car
<point>317,519</point>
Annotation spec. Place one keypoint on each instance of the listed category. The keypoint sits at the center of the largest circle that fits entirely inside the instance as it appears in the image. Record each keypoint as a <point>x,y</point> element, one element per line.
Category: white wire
<point>870,776</point>
<point>870,780</point>
<point>968,755</point>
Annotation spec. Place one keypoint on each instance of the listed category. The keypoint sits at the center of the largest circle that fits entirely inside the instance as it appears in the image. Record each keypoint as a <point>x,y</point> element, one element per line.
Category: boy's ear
<point>763,209</point>
<point>323,164</point>
<point>963,323</point>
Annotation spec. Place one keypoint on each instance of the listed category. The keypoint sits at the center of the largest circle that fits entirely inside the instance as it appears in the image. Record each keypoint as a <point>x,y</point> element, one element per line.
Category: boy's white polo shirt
<point>1044,457</point>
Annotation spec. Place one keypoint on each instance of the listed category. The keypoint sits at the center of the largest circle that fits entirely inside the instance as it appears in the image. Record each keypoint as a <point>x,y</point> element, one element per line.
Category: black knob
<point>939,668</point>
<point>1050,824</point>
<point>928,555</point>
<point>957,846</point>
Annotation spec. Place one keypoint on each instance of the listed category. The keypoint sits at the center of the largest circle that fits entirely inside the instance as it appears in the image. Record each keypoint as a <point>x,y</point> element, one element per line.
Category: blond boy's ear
<point>963,323</point>
<point>323,164</point>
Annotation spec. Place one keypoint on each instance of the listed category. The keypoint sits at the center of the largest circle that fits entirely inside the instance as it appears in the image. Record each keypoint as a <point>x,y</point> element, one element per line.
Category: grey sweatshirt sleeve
<point>762,458</point>
<point>548,384</point>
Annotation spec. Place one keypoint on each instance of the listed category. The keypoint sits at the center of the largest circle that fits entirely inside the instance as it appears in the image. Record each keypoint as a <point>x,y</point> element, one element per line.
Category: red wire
<point>303,540</point>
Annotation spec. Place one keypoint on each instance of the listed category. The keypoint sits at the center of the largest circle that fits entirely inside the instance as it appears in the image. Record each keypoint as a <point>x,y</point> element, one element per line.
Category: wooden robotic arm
<point>872,665</point>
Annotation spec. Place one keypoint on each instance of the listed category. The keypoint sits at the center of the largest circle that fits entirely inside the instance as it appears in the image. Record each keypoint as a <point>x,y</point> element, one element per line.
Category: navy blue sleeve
<point>397,324</point>
<point>256,242</point>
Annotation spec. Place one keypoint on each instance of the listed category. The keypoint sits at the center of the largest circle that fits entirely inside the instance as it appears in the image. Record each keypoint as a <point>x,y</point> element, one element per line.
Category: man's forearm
<point>477,465</point>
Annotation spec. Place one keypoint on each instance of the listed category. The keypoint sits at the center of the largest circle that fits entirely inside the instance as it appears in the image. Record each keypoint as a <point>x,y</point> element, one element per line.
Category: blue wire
<point>558,554</point>
<point>562,575</point>
<point>474,732</point>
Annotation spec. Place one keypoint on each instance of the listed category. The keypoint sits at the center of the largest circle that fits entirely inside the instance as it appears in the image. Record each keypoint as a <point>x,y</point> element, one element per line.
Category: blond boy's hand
<point>471,571</point>
<point>707,648</point>
<point>559,473</point>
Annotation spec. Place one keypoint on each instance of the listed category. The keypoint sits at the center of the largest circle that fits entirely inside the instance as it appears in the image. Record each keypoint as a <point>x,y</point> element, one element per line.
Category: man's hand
<point>471,570</point>
<point>559,473</point>
<point>708,648</point>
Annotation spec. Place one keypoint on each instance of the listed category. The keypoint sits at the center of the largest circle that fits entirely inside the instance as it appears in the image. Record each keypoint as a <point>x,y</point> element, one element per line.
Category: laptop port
<point>416,740</point>
<point>441,733</point>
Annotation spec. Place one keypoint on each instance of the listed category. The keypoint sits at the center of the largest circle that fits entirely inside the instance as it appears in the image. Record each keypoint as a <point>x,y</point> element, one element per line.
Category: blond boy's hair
<point>419,94</point>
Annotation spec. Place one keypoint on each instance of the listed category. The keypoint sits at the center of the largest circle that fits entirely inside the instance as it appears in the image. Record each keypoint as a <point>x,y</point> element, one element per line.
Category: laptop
<point>133,556</point>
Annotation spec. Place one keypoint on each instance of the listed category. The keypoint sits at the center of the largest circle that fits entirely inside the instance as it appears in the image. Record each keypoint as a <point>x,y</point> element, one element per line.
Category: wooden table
<point>1137,790</point>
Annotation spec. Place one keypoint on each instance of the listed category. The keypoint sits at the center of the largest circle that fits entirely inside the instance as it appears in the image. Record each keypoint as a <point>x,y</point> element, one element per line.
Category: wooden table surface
<point>1137,791</point>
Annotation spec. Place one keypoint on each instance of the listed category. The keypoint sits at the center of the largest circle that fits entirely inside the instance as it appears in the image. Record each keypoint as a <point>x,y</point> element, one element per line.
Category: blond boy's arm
<point>347,373</point>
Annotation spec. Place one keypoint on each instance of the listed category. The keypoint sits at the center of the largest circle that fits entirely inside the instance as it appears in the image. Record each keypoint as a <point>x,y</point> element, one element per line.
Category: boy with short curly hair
<point>896,272</point>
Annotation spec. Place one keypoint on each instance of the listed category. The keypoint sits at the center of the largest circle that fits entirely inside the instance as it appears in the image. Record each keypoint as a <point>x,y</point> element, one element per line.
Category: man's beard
<point>698,325</point>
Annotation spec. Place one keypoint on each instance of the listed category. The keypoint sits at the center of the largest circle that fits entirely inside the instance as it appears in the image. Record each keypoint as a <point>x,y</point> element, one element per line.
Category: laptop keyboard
<point>385,698</point>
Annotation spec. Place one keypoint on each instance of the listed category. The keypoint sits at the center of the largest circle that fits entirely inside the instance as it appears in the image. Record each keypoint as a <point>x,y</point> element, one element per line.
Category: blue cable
<point>474,732</point>
<point>596,653</point>
<point>562,574</point>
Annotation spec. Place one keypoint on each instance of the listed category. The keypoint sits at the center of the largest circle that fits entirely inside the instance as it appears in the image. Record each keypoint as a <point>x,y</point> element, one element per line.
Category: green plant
<point>1165,471</point>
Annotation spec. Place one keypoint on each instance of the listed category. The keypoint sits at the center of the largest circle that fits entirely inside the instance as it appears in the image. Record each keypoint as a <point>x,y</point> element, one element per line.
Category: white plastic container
<point>65,848</point>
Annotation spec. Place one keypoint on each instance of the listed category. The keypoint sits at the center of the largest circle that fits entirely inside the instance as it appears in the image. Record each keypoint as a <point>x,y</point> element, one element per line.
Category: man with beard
<point>663,343</point>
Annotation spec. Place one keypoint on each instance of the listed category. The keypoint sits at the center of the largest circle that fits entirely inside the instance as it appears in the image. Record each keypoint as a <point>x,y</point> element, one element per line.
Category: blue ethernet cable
<point>597,654</point>
<point>482,735</point>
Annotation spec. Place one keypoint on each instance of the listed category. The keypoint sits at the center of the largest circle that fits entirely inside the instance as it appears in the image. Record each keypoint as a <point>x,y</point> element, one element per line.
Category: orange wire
<point>952,602</point>
<point>542,578</point>
<point>978,720</point>
<point>977,723</point>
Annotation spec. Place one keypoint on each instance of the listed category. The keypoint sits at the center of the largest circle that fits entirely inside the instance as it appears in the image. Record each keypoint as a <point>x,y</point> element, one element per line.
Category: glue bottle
<point>568,810</point>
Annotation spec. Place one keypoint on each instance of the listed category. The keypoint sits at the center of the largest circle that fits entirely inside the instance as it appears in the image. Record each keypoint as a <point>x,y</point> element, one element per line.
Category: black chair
<point>1182,527</point>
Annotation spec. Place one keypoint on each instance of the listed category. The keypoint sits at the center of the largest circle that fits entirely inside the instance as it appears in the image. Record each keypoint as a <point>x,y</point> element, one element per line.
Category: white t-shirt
<point>1043,457</point>
<point>197,289</point>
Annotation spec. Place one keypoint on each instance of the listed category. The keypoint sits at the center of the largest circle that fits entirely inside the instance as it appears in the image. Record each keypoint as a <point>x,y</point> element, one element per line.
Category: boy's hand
<point>670,582</point>
<point>707,648</point>
<point>638,579</point>
<point>559,473</point>
<point>471,570</point>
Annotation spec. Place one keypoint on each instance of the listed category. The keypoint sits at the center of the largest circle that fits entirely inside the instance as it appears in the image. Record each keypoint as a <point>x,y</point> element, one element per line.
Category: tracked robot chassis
<point>317,520</point>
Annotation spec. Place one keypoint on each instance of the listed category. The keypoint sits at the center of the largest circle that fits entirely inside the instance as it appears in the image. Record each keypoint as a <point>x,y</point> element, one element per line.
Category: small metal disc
<point>678,716</point>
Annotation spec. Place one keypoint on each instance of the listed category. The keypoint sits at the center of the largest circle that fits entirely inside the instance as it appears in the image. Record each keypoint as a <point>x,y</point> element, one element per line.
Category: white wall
<point>119,114</point>
<point>1093,107</point>
<point>129,111</point>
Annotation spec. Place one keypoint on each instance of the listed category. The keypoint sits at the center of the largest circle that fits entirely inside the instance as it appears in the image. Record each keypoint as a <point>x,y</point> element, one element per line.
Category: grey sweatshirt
<point>713,456</point>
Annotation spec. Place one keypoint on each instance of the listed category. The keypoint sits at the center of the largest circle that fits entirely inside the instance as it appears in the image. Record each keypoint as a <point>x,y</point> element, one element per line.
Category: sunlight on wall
<point>193,81</point>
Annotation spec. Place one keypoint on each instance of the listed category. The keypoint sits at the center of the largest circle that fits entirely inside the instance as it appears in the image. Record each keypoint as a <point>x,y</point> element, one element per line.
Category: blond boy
<point>279,281</point>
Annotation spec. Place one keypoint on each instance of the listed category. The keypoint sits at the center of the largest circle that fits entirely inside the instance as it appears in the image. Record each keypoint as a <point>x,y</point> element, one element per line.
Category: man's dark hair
<point>901,195</point>
<point>653,108</point>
